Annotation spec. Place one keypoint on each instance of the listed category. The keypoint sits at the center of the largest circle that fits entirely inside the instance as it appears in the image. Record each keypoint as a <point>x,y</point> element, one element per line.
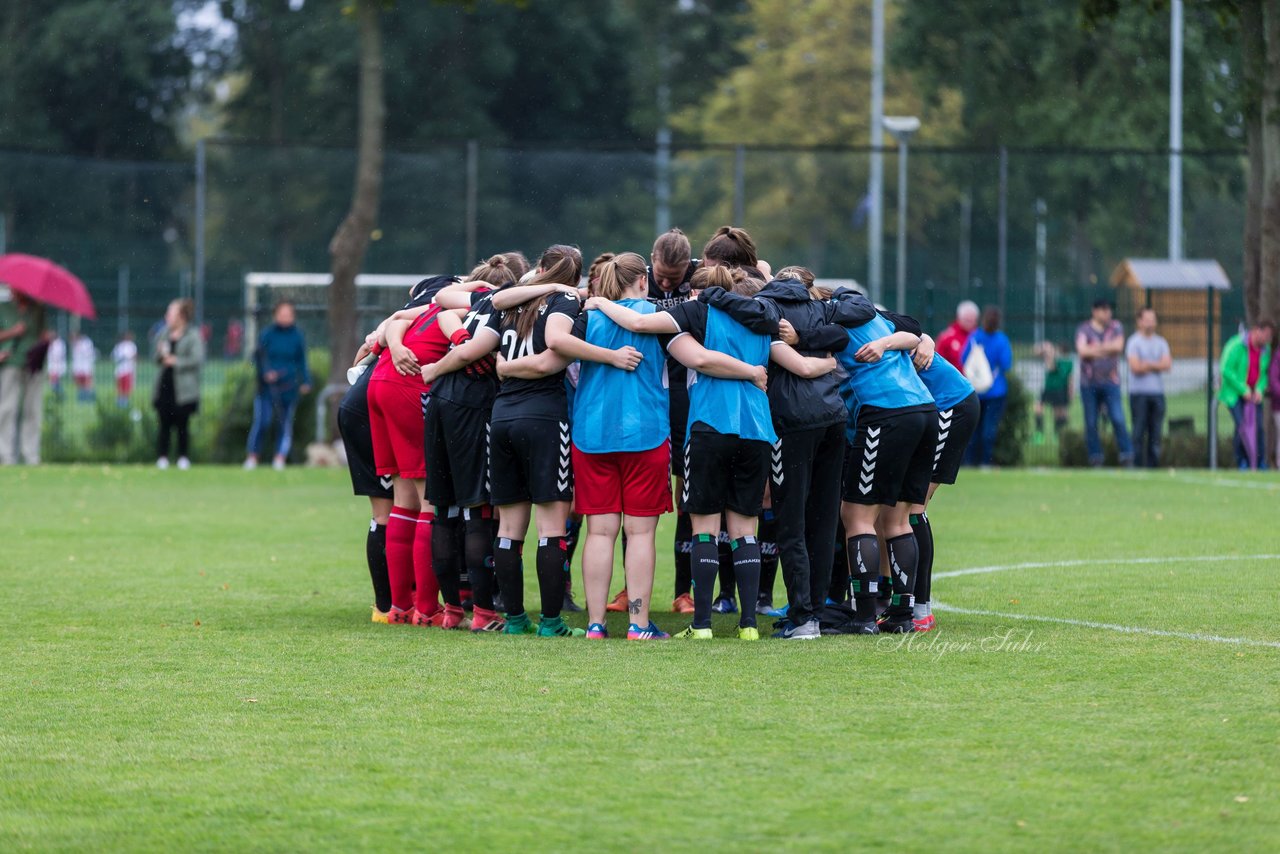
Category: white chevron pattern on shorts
<point>778,476</point>
<point>944,430</point>
<point>870,451</point>
<point>563,476</point>
<point>684,493</point>
<point>487,488</point>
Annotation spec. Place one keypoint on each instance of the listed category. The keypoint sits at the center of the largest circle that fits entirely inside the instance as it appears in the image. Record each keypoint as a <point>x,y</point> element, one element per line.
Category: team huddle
<point>802,427</point>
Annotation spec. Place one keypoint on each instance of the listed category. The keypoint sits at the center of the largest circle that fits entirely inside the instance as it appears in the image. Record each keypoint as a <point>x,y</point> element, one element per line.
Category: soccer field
<point>189,663</point>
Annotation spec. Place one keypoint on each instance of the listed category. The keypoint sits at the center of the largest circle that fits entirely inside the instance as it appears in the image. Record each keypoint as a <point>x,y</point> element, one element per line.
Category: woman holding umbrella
<point>179,352</point>
<point>22,350</point>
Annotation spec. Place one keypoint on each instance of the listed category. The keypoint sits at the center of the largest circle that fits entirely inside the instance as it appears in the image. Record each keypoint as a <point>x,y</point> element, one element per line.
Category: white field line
<point>1056,564</point>
<point>1089,624</point>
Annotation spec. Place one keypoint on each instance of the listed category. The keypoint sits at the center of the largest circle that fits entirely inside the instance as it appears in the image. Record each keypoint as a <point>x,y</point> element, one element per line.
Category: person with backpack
<point>987,358</point>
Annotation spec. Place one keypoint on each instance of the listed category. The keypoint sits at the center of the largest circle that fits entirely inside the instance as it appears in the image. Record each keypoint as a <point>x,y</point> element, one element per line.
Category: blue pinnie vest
<point>616,410</point>
<point>891,383</point>
<point>947,385</point>
<point>732,407</point>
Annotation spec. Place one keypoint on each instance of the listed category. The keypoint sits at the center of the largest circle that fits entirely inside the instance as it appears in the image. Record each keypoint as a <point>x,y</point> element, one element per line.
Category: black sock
<point>746,569</point>
<point>725,555</point>
<point>509,572</point>
<point>552,568</point>
<point>478,551</point>
<point>768,536</point>
<point>705,564</point>
<point>864,571</point>
<point>1059,424</point>
<point>924,547</point>
<point>446,560</point>
<point>838,590</point>
<point>683,553</point>
<point>904,557</point>
<point>375,552</point>
<point>574,528</point>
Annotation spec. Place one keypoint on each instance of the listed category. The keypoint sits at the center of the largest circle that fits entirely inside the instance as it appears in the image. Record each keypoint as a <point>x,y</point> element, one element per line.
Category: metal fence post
<point>1002,231</point>
<point>1212,426</point>
<point>473,178</point>
<point>122,299</point>
<point>739,184</point>
<point>199,235</point>
<point>1042,288</point>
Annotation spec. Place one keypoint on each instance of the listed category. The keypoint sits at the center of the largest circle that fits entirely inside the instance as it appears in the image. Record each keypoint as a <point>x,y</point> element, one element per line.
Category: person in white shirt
<point>1149,359</point>
<point>125,357</point>
<point>56,365</point>
<point>83,356</point>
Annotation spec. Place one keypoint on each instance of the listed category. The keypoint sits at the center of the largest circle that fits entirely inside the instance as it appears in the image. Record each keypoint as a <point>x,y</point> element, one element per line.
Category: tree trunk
<point>1269,256</point>
<point>351,240</point>
<point>1253,48</point>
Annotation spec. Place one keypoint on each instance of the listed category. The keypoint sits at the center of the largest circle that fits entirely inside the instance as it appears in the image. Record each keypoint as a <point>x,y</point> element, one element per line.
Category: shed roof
<point>1159,274</point>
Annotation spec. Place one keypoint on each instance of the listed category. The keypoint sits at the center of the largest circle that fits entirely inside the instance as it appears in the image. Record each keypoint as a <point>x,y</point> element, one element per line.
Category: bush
<point>1015,425</point>
<point>228,416</point>
<point>1178,450</point>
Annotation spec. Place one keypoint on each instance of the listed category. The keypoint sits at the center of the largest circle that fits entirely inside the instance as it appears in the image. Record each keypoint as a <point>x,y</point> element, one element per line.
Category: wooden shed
<point>1179,291</point>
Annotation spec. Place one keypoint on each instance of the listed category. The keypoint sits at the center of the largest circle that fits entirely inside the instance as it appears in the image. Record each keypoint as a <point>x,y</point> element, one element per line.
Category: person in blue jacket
<point>995,345</point>
<point>283,378</point>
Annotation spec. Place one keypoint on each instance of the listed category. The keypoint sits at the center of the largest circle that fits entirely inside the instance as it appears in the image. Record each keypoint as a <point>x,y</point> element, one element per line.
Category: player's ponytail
<point>559,265</point>
<point>619,273</point>
<point>731,245</point>
<point>496,271</point>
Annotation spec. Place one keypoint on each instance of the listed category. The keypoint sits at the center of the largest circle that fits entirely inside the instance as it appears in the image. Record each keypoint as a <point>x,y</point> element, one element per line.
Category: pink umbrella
<point>46,282</point>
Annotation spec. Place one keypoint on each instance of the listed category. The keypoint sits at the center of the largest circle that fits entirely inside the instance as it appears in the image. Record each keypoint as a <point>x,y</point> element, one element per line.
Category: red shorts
<point>637,483</point>
<point>395,422</point>
<point>124,385</point>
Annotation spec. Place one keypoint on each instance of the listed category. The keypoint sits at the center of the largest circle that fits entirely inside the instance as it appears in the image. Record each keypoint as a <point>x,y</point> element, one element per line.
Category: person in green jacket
<point>1245,359</point>
<point>179,352</point>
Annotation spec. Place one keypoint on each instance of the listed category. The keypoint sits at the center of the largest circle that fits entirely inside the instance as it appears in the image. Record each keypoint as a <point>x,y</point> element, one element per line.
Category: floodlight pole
<point>901,301</point>
<point>1175,131</point>
<point>875,188</point>
<point>201,180</point>
<point>1212,425</point>
<point>1042,242</point>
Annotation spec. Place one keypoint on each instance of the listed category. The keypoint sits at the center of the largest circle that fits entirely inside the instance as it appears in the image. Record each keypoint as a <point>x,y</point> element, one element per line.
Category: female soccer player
<point>893,424</point>
<point>727,445</point>
<point>959,413</point>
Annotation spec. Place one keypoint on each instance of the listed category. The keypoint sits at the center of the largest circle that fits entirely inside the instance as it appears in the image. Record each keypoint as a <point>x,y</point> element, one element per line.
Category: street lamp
<point>902,128</point>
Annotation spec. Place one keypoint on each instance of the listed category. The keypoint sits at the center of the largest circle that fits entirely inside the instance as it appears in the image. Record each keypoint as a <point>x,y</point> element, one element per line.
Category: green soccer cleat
<point>749,633</point>
<point>519,625</point>
<point>555,628</point>
<point>693,634</point>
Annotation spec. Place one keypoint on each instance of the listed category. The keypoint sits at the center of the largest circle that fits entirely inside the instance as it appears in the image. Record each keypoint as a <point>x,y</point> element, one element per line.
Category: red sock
<point>401,528</point>
<point>426,595</point>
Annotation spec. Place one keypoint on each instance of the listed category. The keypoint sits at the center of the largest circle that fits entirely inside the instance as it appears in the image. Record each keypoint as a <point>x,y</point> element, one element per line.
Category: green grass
<point>188,664</point>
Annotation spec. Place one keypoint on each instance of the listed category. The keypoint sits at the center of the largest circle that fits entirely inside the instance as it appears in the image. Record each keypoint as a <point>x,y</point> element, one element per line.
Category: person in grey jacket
<point>179,352</point>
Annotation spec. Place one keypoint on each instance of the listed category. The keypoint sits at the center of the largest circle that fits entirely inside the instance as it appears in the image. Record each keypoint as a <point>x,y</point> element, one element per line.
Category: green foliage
<point>1178,450</point>
<point>228,416</point>
<point>1015,425</point>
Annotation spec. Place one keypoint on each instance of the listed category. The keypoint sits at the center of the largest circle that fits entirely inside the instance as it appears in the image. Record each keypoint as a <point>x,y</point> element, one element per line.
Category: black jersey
<point>477,385</point>
<point>669,299</point>
<point>542,399</point>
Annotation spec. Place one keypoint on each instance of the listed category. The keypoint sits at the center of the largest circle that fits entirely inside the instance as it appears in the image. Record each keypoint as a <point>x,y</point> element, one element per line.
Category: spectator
<point>1099,343</point>
<point>283,377</point>
<point>952,340</point>
<point>125,357</point>
<point>1273,388</point>
<point>57,364</point>
<point>1057,389</point>
<point>83,356</point>
<point>22,351</point>
<point>179,352</point>
<point>995,345</point>
<point>1246,360</point>
<point>234,340</point>
<point>1148,356</point>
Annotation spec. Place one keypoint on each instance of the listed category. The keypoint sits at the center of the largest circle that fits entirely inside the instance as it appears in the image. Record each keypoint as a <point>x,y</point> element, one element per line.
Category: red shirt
<point>426,340</point>
<point>951,344</point>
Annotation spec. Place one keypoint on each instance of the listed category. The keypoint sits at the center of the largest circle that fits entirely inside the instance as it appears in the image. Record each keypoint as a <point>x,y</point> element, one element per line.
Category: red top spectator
<point>952,341</point>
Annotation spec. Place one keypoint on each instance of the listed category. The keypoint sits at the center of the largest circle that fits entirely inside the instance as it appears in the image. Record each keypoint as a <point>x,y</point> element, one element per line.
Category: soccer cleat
<point>569,606</point>
<point>724,605</point>
<point>649,632</point>
<point>183,463</point>
<point>748,633</point>
<point>451,617</point>
<point>764,605</point>
<point>853,627</point>
<point>896,621</point>
<point>399,617</point>
<point>619,603</point>
<point>694,634</point>
<point>162,463</point>
<point>778,613</point>
<point>486,621</point>
<point>555,628</point>
<point>804,631</point>
<point>378,616</point>
<point>432,620</point>
<point>519,625</point>
<point>683,604</point>
<point>250,463</point>
<point>924,624</point>
<point>597,631</point>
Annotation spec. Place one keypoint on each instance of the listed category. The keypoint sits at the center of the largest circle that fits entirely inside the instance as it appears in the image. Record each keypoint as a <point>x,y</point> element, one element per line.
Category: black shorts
<point>1055,397</point>
<point>457,443</point>
<point>892,456</point>
<point>955,429</point>
<point>678,408</point>
<point>530,460</point>
<point>724,473</point>
<point>358,441</point>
